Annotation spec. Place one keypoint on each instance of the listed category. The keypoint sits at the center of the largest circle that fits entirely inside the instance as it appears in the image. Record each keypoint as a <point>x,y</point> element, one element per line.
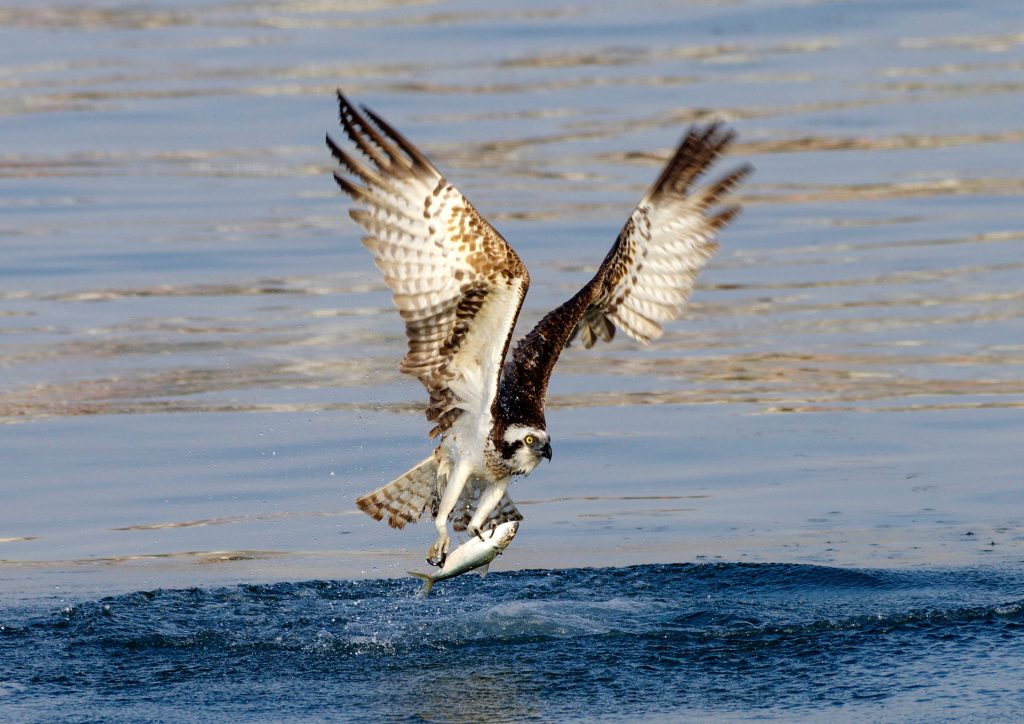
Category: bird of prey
<point>459,288</point>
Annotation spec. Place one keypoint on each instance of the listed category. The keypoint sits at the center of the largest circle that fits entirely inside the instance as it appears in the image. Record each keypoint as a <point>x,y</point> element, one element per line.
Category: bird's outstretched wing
<point>456,282</point>
<point>649,272</point>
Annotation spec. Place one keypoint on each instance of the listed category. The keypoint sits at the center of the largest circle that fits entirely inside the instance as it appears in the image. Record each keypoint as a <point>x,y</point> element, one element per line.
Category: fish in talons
<point>475,554</point>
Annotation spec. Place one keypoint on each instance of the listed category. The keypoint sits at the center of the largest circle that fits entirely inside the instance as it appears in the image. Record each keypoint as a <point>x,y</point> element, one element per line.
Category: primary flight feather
<point>459,287</point>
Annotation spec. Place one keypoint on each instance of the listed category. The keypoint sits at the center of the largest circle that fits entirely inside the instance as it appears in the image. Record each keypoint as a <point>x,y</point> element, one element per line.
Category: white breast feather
<point>480,358</point>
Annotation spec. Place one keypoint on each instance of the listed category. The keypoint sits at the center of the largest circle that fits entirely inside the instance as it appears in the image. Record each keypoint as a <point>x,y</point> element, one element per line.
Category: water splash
<point>648,640</point>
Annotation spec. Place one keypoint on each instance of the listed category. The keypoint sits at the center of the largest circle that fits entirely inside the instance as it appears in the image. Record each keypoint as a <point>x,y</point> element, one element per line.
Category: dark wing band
<point>648,274</point>
<point>456,283</point>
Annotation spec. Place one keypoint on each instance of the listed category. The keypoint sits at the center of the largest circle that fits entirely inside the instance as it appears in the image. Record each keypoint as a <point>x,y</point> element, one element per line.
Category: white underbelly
<point>463,445</point>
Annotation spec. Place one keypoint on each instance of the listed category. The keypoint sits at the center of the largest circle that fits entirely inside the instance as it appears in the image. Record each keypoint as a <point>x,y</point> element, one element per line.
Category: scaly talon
<point>439,551</point>
<point>475,530</point>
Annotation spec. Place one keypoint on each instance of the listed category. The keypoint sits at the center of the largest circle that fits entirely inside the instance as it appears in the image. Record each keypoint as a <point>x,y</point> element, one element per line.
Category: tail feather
<point>428,582</point>
<point>404,499</point>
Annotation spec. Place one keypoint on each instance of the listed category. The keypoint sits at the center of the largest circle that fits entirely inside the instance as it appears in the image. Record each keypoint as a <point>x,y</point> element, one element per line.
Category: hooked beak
<point>546,451</point>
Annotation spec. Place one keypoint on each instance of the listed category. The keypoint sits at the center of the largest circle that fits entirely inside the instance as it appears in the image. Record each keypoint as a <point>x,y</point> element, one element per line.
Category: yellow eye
<point>529,439</point>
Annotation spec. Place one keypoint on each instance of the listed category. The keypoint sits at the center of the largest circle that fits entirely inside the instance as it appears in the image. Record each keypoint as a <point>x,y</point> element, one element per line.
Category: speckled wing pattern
<point>649,273</point>
<point>457,284</point>
<point>646,277</point>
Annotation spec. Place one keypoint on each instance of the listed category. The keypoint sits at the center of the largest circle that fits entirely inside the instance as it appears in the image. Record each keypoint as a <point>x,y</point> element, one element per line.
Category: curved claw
<point>439,551</point>
<point>475,530</point>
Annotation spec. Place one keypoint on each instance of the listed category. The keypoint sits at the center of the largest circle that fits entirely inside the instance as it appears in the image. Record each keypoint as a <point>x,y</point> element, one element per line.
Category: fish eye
<point>529,439</point>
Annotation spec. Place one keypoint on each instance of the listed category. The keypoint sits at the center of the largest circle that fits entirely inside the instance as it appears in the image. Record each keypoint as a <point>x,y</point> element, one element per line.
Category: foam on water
<point>649,641</point>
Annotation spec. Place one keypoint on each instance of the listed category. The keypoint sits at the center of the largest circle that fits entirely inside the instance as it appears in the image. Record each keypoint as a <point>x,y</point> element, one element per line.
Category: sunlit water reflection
<point>199,363</point>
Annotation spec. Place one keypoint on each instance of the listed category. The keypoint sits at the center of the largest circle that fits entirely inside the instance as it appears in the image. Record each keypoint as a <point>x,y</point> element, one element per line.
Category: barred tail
<point>404,499</point>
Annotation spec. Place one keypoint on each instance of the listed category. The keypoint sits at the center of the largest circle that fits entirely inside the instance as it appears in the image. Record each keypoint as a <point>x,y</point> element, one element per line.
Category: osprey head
<point>523,447</point>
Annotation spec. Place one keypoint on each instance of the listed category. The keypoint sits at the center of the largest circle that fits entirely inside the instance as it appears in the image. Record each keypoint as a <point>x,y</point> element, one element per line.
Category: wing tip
<point>700,146</point>
<point>347,186</point>
<point>379,140</point>
<point>719,221</point>
<point>415,156</point>
<point>716,190</point>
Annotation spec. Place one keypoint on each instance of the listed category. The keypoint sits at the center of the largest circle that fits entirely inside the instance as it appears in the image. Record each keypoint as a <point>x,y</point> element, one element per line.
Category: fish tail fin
<point>405,498</point>
<point>428,582</point>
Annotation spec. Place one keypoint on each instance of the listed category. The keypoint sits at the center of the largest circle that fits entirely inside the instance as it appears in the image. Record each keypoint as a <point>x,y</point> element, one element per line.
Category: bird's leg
<point>456,482</point>
<point>491,497</point>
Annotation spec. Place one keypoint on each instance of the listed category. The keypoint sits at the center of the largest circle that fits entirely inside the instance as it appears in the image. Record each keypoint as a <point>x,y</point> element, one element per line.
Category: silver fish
<point>476,553</point>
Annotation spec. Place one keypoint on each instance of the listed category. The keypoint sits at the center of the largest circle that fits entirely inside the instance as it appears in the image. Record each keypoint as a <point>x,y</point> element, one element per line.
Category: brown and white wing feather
<point>455,281</point>
<point>650,271</point>
<point>646,277</point>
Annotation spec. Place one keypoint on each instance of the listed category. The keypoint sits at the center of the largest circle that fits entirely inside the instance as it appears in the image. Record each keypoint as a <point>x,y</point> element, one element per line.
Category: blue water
<point>199,365</point>
<point>650,642</point>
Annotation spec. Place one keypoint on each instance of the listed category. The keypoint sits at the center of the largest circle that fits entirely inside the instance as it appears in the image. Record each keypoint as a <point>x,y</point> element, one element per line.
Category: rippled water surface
<point>198,362</point>
<point>660,642</point>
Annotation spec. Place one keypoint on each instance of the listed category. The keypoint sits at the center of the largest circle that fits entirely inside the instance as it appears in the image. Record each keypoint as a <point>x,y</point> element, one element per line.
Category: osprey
<point>459,288</point>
